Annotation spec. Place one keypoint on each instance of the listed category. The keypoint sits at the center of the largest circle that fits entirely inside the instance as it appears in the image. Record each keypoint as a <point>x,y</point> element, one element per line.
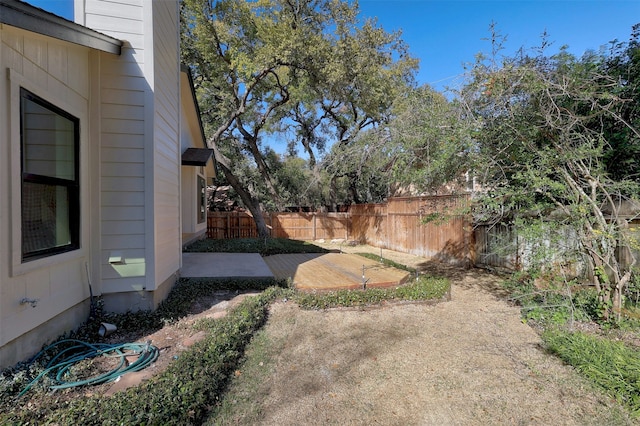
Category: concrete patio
<point>308,271</point>
<point>224,265</point>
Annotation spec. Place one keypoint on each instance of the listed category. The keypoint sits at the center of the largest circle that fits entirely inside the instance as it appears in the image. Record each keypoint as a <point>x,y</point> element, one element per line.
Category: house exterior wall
<point>191,137</point>
<point>188,199</point>
<point>58,72</point>
<point>166,161</point>
<point>128,107</point>
<point>191,227</point>
<point>140,152</point>
<point>124,142</point>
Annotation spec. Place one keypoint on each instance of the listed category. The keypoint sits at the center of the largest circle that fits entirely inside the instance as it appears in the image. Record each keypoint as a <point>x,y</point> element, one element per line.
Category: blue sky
<point>445,34</point>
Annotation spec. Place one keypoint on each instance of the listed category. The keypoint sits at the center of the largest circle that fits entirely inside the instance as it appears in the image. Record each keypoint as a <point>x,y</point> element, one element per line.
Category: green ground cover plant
<point>603,355</point>
<point>264,246</point>
<point>180,395</point>
<point>387,262</point>
<point>612,366</point>
<point>424,288</point>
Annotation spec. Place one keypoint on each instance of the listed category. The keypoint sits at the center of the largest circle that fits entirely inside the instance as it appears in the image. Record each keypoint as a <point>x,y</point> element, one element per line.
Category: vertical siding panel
<point>167,140</point>
<point>123,88</point>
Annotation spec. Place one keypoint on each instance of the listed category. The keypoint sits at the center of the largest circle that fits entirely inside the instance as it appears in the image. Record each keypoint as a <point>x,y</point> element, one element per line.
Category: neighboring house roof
<point>22,15</point>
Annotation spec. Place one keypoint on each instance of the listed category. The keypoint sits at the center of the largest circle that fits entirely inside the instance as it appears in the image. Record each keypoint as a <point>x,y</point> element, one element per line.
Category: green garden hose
<point>61,365</point>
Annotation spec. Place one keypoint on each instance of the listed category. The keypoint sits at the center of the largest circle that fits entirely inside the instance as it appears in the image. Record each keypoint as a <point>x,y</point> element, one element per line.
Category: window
<point>202,200</point>
<point>50,191</point>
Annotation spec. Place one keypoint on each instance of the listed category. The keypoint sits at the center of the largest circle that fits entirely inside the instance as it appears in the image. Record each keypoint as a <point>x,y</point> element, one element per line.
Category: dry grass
<point>468,361</point>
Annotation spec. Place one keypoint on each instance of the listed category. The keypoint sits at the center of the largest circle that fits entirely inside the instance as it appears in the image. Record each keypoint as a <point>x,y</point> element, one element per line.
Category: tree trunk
<point>333,204</point>
<point>264,172</point>
<point>353,188</point>
<point>245,196</point>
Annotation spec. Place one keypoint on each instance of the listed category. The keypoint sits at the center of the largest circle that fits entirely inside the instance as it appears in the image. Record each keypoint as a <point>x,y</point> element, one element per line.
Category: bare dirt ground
<point>469,361</point>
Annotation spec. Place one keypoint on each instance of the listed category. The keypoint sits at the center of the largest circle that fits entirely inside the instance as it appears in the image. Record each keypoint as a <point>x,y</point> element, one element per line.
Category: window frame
<point>72,187</point>
<point>201,197</point>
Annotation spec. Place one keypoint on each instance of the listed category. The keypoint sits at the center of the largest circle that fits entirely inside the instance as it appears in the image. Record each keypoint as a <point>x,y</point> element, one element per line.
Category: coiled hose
<point>61,364</point>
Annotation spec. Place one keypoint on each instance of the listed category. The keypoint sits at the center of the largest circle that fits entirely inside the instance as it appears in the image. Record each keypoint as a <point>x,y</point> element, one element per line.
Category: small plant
<point>425,288</point>
<point>552,300</point>
<point>632,294</point>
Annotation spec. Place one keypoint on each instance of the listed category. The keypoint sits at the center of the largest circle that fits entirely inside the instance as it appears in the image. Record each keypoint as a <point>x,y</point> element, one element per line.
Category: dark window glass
<point>202,200</point>
<point>50,140</point>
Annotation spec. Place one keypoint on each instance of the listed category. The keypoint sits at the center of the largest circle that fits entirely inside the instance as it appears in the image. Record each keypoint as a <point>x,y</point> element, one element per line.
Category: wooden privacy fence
<point>431,227</point>
<point>397,225</point>
<point>296,226</point>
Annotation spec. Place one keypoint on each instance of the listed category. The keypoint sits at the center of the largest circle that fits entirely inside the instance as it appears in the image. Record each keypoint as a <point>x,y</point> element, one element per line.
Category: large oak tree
<point>262,67</point>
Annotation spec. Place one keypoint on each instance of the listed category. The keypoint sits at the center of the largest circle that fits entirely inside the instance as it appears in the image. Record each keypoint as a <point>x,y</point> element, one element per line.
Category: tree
<point>300,188</point>
<point>256,62</point>
<point>242,79</point>
<point>374,69</point>
<point>622,156</point>
<point>541,142</point>
<point>423,146</point>
<point>431,141</point>
<point>360,171</point>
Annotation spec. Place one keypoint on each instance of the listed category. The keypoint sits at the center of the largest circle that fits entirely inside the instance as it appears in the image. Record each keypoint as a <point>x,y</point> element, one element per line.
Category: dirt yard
<point>470,361</point>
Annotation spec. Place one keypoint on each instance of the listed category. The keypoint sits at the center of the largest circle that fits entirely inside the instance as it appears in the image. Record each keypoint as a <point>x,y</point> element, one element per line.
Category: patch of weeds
<point>552,301</point>
<point>423,289</point>
<point>612,366</point>
<point>519,283</point>
<point>631,310</point>
<point>387,262</point>
<point>264,246</point>
<point>586,300</point>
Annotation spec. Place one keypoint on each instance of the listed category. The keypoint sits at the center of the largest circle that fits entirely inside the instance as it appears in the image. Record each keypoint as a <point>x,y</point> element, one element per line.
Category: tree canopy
<point>547,130</point>
<point>265,67</point>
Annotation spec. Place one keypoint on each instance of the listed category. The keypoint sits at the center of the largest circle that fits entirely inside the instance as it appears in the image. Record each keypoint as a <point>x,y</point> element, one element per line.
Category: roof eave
<point>185,69</point>
<point>22,15</point>
<point>196,156</point>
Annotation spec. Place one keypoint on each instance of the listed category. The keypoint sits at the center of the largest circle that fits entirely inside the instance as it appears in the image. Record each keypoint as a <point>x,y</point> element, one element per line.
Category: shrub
<point>612,366</point>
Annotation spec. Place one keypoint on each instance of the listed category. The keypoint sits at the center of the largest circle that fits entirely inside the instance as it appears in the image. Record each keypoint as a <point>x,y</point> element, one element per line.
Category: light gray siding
<point>124,145</point>
<point>139,140</point>
<point>58,72</point>
<point>166,136</point>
